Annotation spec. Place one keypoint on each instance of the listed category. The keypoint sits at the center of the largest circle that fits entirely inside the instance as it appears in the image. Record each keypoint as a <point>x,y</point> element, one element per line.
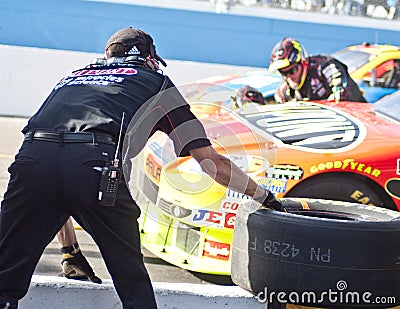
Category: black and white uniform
<point>54,174</point>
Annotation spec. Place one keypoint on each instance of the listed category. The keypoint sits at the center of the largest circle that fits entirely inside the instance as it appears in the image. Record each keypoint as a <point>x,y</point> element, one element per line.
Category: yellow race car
<point>366,60</point>
<point>375,67</point>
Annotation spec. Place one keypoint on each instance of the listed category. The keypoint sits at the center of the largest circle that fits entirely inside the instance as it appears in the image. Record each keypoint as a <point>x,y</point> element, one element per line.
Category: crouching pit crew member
<point>318,77</point>
<point>71,141</point>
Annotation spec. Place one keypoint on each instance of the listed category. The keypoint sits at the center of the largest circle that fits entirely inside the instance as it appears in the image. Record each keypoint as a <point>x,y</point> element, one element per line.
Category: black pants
<point>48,183</point>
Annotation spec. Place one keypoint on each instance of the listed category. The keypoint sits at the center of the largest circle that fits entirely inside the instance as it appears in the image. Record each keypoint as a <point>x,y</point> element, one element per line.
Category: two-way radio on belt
<point>110,176</point>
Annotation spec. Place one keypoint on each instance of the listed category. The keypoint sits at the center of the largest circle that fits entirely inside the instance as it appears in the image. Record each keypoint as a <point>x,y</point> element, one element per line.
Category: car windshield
<point>389,106</point>
<point>352,58</point>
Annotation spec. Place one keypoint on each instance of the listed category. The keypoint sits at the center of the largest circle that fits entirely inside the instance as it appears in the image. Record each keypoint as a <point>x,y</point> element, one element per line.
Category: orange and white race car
<point>343,151</point>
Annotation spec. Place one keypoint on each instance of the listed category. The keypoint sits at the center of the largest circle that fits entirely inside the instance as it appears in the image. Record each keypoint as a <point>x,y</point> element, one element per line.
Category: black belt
<point>69,137</point>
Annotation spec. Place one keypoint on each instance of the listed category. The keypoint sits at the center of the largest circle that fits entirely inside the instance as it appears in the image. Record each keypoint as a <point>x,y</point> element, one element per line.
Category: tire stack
<point>319,253</point>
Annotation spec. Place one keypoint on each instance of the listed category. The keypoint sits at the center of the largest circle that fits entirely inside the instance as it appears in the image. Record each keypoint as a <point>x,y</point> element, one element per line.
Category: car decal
<point>275,185</point>
<point>216,250</point>
<point>345,165</point>
<point>286,171</point>
<point>153,168</point>
<point>231,205</point>
<point>236,195</point>
<point>163,150</point>
<point>203,217</point>
<point>213,219</point>
<point>230,221</point>
<point>156,149</point>
<point>306,126</point>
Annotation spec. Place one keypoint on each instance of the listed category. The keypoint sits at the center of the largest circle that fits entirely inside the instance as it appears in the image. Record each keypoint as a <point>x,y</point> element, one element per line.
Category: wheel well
<point>342,186</point>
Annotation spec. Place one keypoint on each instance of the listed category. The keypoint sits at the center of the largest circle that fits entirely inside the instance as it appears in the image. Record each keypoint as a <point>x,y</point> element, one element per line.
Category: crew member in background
<point>74,264</point>
<point>247,95</point>
<point>319,77</point>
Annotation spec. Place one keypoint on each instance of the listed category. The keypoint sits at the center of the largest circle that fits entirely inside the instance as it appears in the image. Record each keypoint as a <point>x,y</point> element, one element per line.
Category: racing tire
<point>343,187</point>
<point>319,253</point>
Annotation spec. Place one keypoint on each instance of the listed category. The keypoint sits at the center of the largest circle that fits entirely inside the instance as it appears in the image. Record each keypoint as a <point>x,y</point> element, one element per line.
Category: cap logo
<point>134,51</point>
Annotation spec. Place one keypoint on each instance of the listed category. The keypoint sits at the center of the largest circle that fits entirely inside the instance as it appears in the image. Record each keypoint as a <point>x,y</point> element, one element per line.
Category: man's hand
<point>268,200</point>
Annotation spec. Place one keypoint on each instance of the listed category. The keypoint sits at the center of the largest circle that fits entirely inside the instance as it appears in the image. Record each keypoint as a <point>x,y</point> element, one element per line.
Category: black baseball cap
<point>136,43</point>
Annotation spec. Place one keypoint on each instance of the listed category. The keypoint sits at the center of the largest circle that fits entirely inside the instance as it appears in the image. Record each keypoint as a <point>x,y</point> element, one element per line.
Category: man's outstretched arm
<point>228,174</point>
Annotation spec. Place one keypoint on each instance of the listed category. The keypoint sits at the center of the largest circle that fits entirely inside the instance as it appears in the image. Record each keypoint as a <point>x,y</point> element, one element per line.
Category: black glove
<point>77,267</point>
<point>269,201</point>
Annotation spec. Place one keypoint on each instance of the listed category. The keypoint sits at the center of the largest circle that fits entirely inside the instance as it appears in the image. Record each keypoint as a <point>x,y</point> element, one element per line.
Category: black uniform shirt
<point>94,98</point>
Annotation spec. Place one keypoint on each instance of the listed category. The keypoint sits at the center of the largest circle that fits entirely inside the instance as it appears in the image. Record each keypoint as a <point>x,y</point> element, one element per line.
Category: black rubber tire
<point>332,245</point>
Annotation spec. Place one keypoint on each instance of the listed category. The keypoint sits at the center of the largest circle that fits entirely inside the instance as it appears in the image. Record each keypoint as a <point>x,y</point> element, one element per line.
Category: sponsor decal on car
<point>216,250</point>
<point>230,205</point>
<point>203,217</point>
<point>287,171</point>
<point>306,126</point>
<point>156,149</point>
<point>275,185</point>
<point>230,219</point>
<point>230,194</point>
<point>214,219</point>
<point>233,201</point>
<point>346,164</point>
<point>153,168</point>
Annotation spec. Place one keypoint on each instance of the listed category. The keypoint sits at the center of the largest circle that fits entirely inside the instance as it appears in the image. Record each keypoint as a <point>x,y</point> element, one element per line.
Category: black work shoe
<point>77,267</point>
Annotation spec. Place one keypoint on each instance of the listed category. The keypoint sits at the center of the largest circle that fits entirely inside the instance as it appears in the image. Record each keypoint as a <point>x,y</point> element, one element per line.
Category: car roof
<point>375,49</point>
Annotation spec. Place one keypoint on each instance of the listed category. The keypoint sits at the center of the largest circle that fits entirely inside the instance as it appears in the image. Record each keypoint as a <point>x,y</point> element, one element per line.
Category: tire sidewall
<point>285,252</point>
